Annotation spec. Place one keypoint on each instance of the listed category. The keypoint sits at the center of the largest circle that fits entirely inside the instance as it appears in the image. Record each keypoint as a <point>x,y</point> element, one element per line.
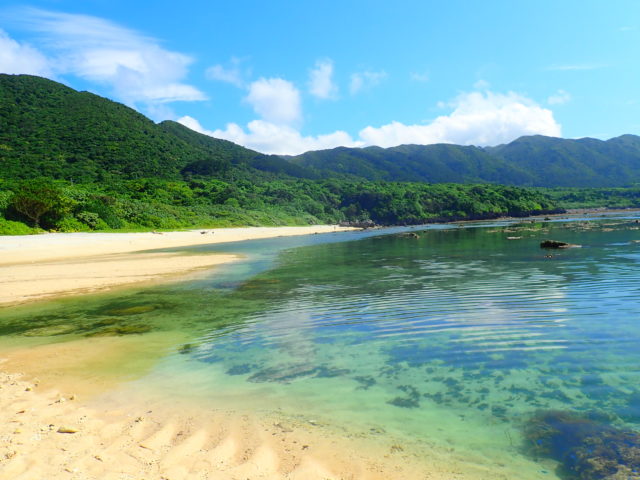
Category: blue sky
<point>290,76</point>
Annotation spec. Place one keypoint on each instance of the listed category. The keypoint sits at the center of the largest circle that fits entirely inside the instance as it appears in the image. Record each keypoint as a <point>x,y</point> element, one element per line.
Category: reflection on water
<point>457,335</point>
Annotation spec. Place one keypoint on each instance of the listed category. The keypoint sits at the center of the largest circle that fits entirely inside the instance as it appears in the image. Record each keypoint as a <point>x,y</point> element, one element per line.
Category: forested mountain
<point>415,163</point>
<point>585,162</point>
<point>48,129</point>
<point>528,161</point>
<point>73,161</point>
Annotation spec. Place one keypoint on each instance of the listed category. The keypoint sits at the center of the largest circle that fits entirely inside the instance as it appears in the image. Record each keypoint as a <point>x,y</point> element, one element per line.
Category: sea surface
<point>447,337</point>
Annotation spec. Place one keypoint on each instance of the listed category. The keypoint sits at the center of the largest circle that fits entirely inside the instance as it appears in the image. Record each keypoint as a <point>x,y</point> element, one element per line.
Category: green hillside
<point>528,161</point>
<point>48,129</point>
<point>587,162</point>
<point>74,161</point>
<point>426,163</point>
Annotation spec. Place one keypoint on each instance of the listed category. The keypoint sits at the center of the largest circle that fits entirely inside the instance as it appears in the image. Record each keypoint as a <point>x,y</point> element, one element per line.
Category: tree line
<point>152,203</point>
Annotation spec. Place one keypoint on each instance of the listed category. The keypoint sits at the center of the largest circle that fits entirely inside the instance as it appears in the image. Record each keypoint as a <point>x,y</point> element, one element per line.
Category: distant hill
<point>48,129</point>
<point>415,163</point>
<point>586,162</point>
<point>527,161</point>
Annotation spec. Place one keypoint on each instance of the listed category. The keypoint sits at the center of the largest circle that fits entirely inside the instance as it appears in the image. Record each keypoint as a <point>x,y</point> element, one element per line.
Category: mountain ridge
<point>534,160</point>
<point>49,129</point>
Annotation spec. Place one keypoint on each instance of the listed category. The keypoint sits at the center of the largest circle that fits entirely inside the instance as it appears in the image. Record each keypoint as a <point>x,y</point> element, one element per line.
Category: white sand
<point>40,266</point>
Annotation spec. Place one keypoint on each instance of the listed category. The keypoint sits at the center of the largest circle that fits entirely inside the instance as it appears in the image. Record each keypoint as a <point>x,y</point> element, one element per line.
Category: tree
<point>34,198</point>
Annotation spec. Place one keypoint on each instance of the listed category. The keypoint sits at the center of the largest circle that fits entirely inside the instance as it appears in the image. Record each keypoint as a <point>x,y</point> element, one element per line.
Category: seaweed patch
<point>587,449</point>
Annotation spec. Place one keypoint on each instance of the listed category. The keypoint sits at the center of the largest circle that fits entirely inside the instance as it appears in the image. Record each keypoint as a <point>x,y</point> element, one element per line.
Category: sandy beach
<point>41,266</point>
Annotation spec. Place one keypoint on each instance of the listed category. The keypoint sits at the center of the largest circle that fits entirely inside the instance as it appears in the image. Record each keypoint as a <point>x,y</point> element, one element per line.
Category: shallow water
<point>450,340</point>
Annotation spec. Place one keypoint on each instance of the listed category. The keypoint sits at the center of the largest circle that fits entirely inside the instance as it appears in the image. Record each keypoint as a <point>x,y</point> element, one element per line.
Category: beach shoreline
<point>38,267</point>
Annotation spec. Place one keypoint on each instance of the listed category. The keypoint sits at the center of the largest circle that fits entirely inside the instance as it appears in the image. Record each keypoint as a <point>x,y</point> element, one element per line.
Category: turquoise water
<point>452,339</point>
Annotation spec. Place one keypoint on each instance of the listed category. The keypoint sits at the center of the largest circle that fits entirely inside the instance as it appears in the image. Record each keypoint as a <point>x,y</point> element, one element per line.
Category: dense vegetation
<point>50,130</point>
<point>528,161</point>
<point>167,204</point>
<point>74,161</point>
<point>595,197</point>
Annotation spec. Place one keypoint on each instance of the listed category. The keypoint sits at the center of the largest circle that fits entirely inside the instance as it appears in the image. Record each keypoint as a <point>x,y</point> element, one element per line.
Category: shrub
<point>92,220</point>
<point>9,227</point>
<point>71,224</point>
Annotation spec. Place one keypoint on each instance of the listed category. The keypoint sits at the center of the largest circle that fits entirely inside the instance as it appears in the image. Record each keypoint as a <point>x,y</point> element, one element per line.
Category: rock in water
<point>586,448</point>
<point>554,244</point>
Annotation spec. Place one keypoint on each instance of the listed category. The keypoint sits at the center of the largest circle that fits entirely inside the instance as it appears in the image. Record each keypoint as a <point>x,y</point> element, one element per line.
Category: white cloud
<point>477,119</point>
<point>232,75</point>
<point>20,58</point>
<point>420,77</point>
<point>481,85</point>
<point>365,80</point>
<point>559,98</point>
<point>321,82</point>
<point>135,66</point>
<point>276,100</point>
<point>267,137</point>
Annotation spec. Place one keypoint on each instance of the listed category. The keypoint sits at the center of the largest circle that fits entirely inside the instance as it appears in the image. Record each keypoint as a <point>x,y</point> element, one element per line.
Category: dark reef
<point>587,448</point>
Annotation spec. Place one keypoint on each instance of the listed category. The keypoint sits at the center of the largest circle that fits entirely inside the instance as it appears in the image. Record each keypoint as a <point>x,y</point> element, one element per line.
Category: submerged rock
<point>50,331</point>
<point>410,235</point>
<point>282,374</point>
<point>134,310</point>
<point>242,369</point>
<point>411,399</point>
<point>119,330</point>
<point>291,372</point>
<point>186,348</point>
<point>587,449</point>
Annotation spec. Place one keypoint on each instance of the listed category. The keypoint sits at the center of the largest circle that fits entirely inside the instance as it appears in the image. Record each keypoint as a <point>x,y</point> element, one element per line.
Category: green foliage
<point>596,197</point>
<point>34,198</point>
<point>412,203</point>
<point>71,224</point>
<point>9,227</point>
<point>5,201</point>
<point>168,204</point>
